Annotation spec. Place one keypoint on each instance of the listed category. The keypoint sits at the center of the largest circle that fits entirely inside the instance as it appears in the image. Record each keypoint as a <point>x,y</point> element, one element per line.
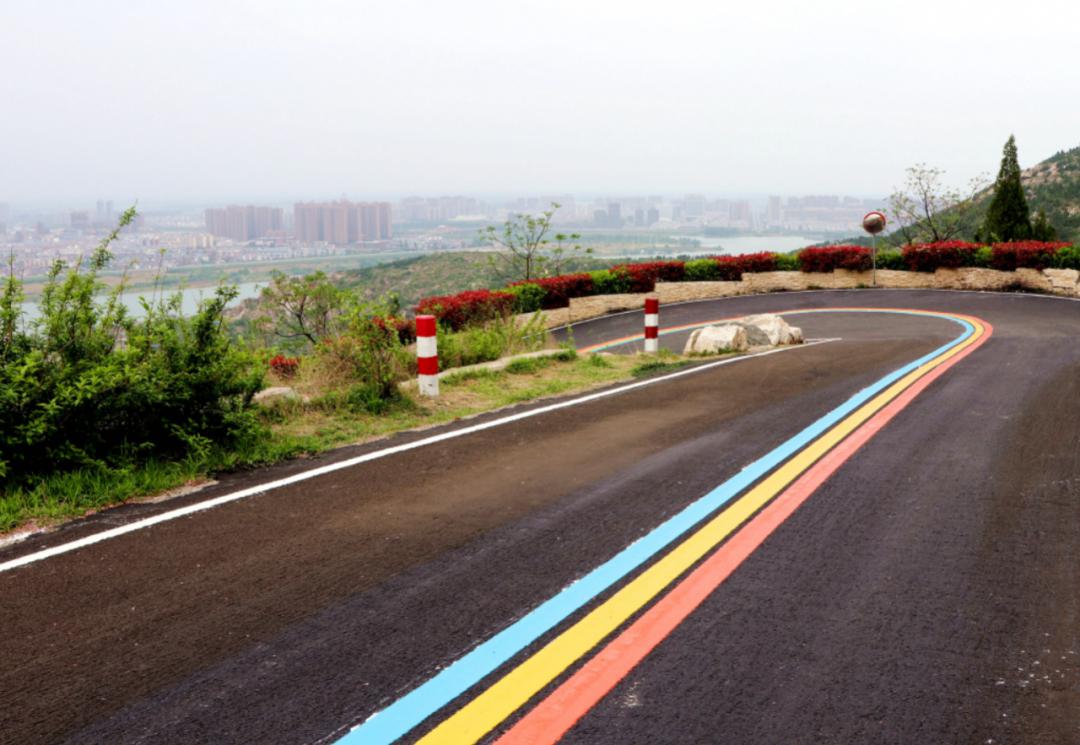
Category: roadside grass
<point>299,428</point>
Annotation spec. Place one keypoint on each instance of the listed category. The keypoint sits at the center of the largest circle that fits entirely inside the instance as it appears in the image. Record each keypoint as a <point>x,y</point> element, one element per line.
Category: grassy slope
<point>436,274</point>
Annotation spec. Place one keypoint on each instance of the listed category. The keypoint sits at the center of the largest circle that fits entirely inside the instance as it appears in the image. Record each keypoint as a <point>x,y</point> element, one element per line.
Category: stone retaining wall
<point>1050,281</point>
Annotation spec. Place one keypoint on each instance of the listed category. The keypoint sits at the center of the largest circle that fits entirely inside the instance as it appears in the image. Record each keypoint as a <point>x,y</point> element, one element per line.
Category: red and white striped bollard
<point>652,325</point>
<point>427,356</point>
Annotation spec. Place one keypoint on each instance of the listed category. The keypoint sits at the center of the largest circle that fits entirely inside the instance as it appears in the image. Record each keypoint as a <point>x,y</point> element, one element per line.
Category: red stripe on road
<point>557,713</point>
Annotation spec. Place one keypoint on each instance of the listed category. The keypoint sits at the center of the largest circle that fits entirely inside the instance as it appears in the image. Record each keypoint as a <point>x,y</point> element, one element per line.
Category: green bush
<point>891,259</point>
<point>787,262</point>
<point>491,341</point>
<point>984,257</point>
<point>87,387</point>
<point>362,398</point>
<point>611,281</point>
<point>702,270</point>
<point>1067,258</point>
<point>368,352</point>
<point>528,297</point>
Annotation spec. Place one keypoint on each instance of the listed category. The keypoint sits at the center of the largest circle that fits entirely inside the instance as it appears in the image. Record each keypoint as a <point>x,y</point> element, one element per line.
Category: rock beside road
<point>771,330</point>
<point>729,337</point>
<point>762,330</point>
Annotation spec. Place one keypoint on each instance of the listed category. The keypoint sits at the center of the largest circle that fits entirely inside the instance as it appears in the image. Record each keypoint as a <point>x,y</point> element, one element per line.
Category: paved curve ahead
<point>870,540</point>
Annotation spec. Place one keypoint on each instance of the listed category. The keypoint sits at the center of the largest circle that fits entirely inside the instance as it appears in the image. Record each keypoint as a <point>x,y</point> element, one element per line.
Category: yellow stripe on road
<point>504,697</point>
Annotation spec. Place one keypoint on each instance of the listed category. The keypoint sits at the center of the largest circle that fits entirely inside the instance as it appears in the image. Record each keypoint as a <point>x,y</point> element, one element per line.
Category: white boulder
<point>729,337</point>
<point>766,329</point>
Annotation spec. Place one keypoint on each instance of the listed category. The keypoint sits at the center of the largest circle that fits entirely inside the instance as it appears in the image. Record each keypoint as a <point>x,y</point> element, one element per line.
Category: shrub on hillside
<point>890,259</point>
<point>369,353</point>
<point>528,297</point>
<point>713,269</point>
<point>1024,254</point>
<point>86,387</point>
<point>559,290</point>
<point>831,258</point>
<point>490,341</point>
<point>284,367</point>
<point>612,281</point>
<point>764,261</point>
<point>1067,258</point>
<point>927,257</point>
<point>787,262</point>
<point>468,308</point>
<point>644,276</point>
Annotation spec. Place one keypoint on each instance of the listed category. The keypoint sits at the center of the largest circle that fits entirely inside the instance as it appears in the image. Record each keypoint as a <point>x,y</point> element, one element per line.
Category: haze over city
<point>210,102</point>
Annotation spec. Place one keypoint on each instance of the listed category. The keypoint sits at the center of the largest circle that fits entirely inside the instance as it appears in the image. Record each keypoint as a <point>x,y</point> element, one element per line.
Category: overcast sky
<point>259,99</point>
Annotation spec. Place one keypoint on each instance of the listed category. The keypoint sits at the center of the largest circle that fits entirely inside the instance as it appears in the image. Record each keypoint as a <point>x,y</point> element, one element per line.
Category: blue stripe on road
<point>410,710</point>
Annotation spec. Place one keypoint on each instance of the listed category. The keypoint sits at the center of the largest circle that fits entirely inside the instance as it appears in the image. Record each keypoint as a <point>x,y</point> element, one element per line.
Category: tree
<point>525,250</point>
<point>925,210</point>
<point>1008,217</point>
<point>1041,229</point>
<point>302,307</point>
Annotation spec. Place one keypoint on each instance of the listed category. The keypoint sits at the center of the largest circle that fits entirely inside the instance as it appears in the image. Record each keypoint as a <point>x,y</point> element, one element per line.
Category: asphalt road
<point>926,590</point>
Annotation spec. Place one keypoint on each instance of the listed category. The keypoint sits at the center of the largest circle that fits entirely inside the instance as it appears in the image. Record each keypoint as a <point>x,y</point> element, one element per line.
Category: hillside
<point>435,274</point>
<point>1054,186</point>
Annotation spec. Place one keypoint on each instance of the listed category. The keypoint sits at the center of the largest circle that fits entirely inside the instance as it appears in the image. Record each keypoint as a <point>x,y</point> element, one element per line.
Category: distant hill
<point>1054,186</point>
<point>435,274</point>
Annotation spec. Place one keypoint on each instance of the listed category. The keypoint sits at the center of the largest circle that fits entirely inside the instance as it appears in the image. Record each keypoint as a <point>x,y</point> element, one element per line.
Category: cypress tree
<point>1042,229</point>
<point>1008,217</point>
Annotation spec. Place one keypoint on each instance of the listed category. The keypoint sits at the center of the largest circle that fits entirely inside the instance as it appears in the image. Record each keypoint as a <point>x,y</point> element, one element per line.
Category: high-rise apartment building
<point>244,222</point>
<point>342,222</point>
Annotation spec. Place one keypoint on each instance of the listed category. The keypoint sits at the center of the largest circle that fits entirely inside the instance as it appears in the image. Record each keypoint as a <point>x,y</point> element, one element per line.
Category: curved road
<point>870,540</point>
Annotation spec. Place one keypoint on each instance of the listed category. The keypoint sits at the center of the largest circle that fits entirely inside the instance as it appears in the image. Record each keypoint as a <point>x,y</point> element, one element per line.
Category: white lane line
<point>131,527</point>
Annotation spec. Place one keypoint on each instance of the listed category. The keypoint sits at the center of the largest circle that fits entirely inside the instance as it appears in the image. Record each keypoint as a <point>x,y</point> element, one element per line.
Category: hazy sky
<point>234,99</point>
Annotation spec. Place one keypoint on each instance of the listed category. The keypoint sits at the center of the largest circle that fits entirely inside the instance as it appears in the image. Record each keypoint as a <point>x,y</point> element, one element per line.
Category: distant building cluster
<point>342,222</point>
<point>821,212</point>
<point>439,209</point>
<point>244,222</point>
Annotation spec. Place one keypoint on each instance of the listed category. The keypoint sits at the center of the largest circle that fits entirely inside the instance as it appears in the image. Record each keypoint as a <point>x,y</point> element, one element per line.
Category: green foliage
<point>368,351</point>
<point>611,281</point>
<point>491,341</point>
<point>302,310</point>
<point>787,262</point>
<point>529,365</point>
<point>925,210</point>
<point>890,259</point>
<point>984,257</point>
<point>599,361</point>
<point>1041,229</point>
<point>1067,258</point>
<point>86,387</point>
<point>528,297</point>
<point>526,252</point>
<point>1008,217</point>
<point>702,270</point>
<point>363,398</point>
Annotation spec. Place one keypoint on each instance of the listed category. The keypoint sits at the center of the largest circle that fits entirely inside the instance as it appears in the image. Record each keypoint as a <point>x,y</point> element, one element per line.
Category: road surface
<point>870,540</point>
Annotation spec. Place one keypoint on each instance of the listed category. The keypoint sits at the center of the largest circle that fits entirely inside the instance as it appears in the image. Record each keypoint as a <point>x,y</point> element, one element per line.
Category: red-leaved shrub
<point>926,257</point>
<point>284,367</point>
<point>467,308</point>
<point>405,327</point>
<point>560,289</point>
<point>643,277</point>
<point>764,261</point>
<point>830,258</point>
<point>1024,254</point>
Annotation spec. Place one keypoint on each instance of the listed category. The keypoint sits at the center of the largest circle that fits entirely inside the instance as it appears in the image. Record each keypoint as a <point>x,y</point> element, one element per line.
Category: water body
<point>192,296</point>
<point>745,244</point>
